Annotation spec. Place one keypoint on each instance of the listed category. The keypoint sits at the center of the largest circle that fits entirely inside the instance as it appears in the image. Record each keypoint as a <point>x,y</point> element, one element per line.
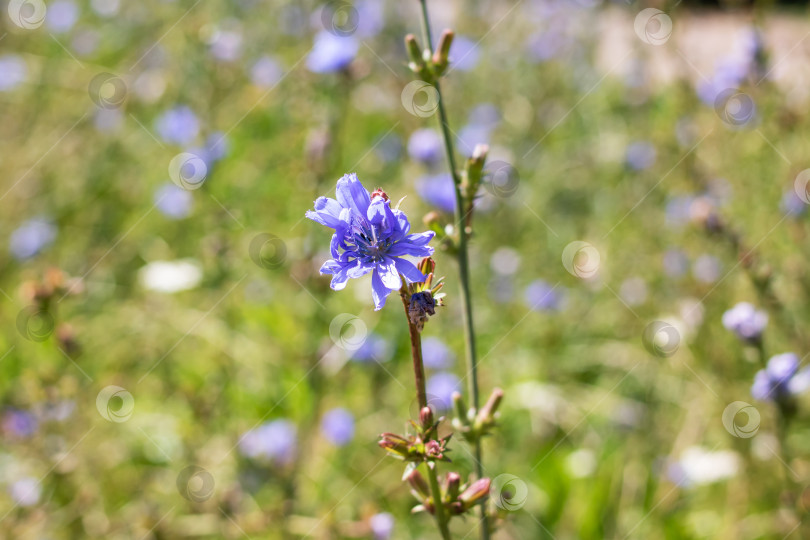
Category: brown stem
<point>416,349</point>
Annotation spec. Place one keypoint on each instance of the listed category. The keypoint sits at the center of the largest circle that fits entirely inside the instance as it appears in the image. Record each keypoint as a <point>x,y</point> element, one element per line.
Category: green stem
<point>463,266</point>
<point>438,504</point>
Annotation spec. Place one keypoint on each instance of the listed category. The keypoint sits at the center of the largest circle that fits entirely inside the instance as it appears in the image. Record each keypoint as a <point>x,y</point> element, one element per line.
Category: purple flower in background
<point>61,16</point>
<point>463,54</point>
<point>108,120</point>
<point>226,45</point>
<point>679,210</point>
<point>793,205</point>
<point>31,237</point>
<point>374,348</point>
<point>331,53</point>
<point>25,491</point>
<point>370,18</point>
<point>540,296</point>
<point>437,190</point>
<point>273,441</point>
<point>178,126</point>
<point>266,72</point>
<point>389,148</point>
<point>440,388</point>
<point>337,426</point>
<point>746,321</point>
<point>706,269</point>
<point>369,236</point>
<point>640,155</point>
<point>382,525</point>
<point>435,354</point>
<point>173,201</point>
<point>19,424</point>
<point>217,146</point>
<point>13,72</point>
<point>780,379</point>
<point>470,135</point>
<point>425,146</point>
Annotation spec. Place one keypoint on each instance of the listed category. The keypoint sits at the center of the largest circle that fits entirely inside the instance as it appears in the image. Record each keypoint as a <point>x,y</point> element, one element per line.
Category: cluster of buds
<point>471,180</point>
<point>457,499</point>
<point>424,446</point>
<point>425,295</point>
<point>426,64</point>
<point>474,424</point>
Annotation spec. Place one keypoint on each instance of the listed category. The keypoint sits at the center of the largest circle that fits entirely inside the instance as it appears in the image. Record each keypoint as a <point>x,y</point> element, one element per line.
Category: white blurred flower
<point>171,276</point>
<point>698,466</point>
<point>26,491</point>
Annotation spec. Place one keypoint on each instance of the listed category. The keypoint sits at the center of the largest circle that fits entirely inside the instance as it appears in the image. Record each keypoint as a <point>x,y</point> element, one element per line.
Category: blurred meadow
<point>173,365</point>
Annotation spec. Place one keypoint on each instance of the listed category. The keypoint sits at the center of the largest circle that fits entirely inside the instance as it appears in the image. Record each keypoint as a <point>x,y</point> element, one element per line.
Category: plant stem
<point>436,494</point>
<point>421,396</point>
<point>463,266</point>
<point>416,350</point>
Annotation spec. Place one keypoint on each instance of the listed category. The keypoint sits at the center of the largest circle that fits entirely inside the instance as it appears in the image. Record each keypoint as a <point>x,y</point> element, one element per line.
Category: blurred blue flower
<point>173,201</point>
<point>382,525</point>
<point>541,296</point>
<point>216,145</point>
<point>18,424</point>
<point>331,53</point>
<point>13,72</point>
<point>61,15</point>
<point>640,155</point>
<point>373,348</point>
<point>470,135</point>
<point>793,205</point>
<point>440,388</point>
<point>679,210</point>
<point>337,426</point>
<point>435,354</point>
<point>266,72</point>
<point>437,190</point>
<point>369,237</point>
<point>706,268</point>
<point>273,441</point>
<point>425,146</point>
<point>746,321</point>
<point>676,263</point>
<point>178,126</point>
<point>546,45</point>
<point>226,45</point>
<point>370,18</point>
<point>484,115</point>
<point>780,379</point>
<point>464,53</point>
<point>389,148</point>
<point>25,491</point>
<point>31,237</point>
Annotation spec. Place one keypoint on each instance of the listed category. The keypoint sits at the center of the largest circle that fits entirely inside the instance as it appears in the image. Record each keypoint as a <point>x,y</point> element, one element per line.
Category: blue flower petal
<point>376,211</point>
<point>387,269</point>
<point>378,291</point>
<point>409,270</point>
<point>351,194</point>
<point>340,278</point>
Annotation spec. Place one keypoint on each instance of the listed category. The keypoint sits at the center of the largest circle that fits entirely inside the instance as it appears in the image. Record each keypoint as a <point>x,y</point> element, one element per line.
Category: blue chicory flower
<point>13,72</point>
<point>178,126</point>
<point>440,388</point>
<point>793,205</point>
<point>19,424</point>
<point>425,146</point>
<point>435,354</point>
<point>437,190</point>
<point>331,53</point>
<point>369,236</point>
<point>382,525</point>
<point>173,201</point>
<point>266,72</point>
<point>337,426</point>
<point>374,348</point>
<point>273,441</point>
<point>541,296</point>
<point>61,16</point>
<point>746,322</point>
<point>780,379</point>
<point>31,237</point>
<point>640,155</point>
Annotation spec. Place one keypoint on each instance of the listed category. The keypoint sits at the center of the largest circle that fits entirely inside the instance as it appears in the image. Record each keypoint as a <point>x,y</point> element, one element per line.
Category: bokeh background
<point>172,365</point>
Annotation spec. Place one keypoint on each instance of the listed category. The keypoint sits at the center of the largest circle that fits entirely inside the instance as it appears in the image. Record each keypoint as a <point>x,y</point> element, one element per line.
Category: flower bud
<point>380,193</point>
<point>477,492</point>
<point>486,416</point>
<point>426,418</point>
<point>395,445</point>
<point>461,412</point>
<point>418,483</point>
<point>453,485</point>
<point>416,57</point>
<point>440,58</point>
